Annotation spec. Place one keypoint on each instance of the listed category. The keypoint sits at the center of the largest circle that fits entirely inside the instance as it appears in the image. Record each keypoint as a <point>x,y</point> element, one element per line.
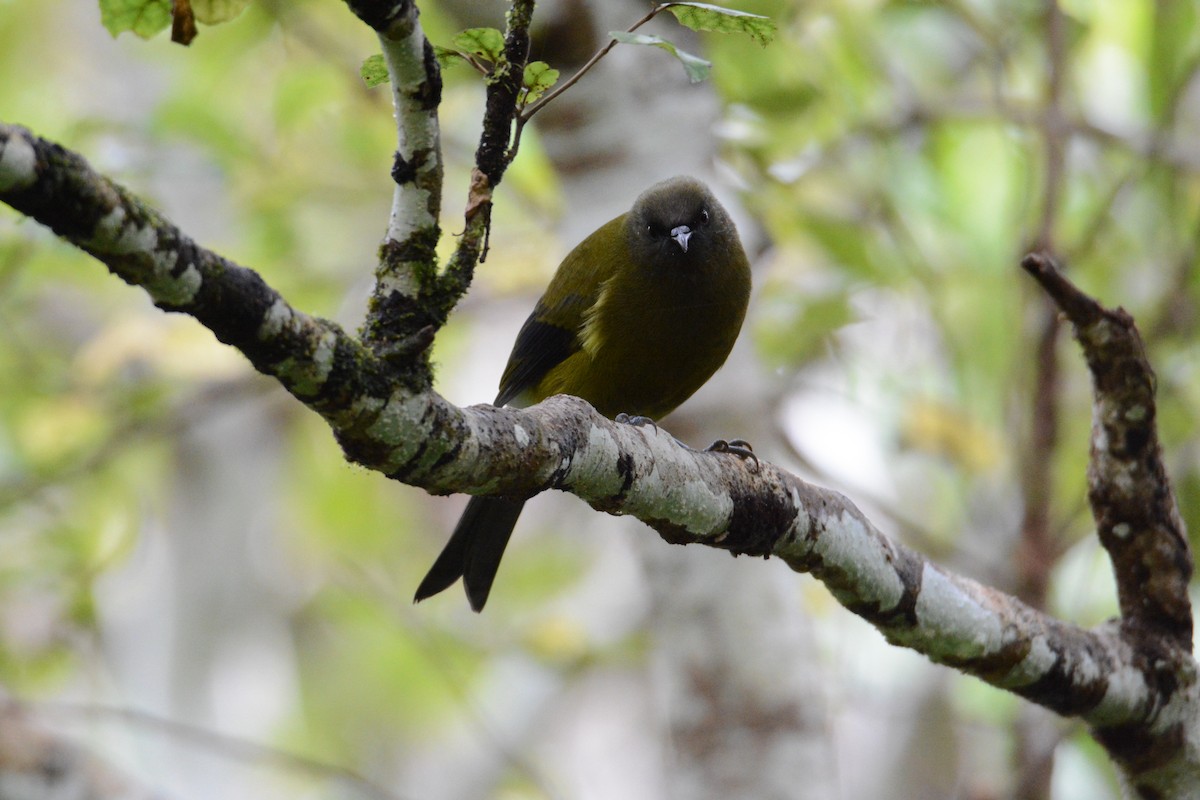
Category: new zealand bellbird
<point>636,319</point>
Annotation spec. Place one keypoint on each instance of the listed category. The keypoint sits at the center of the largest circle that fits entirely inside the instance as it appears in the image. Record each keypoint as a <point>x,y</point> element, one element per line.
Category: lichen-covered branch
<point>313,358</point>
<point>1139,525</point>
<point>491,157</point>
<point>412,299</point>
<point>1135,510</point>
<point>397,312</point>
<point>1132,680</point>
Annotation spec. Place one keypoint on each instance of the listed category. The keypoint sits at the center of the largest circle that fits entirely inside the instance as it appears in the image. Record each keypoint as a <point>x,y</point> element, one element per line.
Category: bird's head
<point>678,222</point>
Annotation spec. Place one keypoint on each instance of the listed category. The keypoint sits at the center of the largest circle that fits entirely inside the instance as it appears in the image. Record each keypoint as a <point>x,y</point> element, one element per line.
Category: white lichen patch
<point>694,506</point>
<point>1126,695</point>
<point>689,505</point>
<point>410,214</point>
<point>521,435</point>
<point>471,445</point>
<point>306,377</point>
<point>1136,413</point>
<point>18,163</point>
<point>794,542</point>
<point>1121,530</point>
<point>116,235</point>
<point>1099,433</point>
<point>1121,477</point>
<point>362,406</point>
<point>1100,333</point>
<point>1036,663</point>
<point>278,316</point>
<point>401,282</point>
<point>176,290</point>
<point>670,491</point>
<point>850,546</point>
<point>953,622</point>
<point>322,359</point>
<point>398,427</point>
<point>595,463</point>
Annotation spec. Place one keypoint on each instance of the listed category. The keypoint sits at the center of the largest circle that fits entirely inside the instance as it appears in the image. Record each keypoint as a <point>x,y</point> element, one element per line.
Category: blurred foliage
<point>146,18</point>
<point>894,152</point>
<point>897,154</point>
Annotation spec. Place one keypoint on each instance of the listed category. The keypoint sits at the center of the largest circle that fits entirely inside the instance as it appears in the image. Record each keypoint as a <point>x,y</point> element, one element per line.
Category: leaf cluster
<point>483,48</point>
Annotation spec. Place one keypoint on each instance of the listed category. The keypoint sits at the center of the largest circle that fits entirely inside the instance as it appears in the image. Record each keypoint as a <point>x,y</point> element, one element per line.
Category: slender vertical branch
<point>1131,497</point>
<point>1038,549</point>
<point>491,157</point>
<point>397,325</point>
<point>504,87</point>
<point>1054,125</point>
<point>417,168</point>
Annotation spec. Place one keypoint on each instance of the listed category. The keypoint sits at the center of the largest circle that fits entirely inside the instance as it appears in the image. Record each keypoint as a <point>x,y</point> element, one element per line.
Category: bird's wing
<point>557,327</point>
<point>547,338</point>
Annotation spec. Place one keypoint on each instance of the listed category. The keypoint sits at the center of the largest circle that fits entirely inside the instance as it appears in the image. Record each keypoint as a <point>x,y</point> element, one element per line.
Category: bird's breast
<point>651,341</point>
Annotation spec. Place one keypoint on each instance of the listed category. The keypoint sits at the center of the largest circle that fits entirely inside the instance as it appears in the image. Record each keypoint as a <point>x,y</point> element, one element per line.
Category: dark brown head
<point>679,222</point>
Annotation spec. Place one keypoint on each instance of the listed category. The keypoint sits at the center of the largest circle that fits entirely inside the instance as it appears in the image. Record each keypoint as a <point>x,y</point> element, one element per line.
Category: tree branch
<point>36,764</point>
<point>1130,493</point>
<point>1140,527</point>
<point>1132,680</point>
<point>407,270</point>
<point>399,326</point>
<point>16,712</point>
<point>312,358</point>
<point>549,96</point>
<point>491,159</point>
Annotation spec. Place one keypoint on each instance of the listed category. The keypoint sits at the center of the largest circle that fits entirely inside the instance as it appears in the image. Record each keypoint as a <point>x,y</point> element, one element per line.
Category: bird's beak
<point>681,235</point>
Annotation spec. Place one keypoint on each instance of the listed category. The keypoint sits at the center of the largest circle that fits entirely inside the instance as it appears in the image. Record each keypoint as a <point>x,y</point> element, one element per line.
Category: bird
<point>636,318</point>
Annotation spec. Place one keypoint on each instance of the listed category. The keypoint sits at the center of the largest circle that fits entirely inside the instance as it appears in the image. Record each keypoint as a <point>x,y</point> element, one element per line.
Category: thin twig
<point>528,111</point>
<point>1037,549</point>
<point>358,575</point>
<point>230,747</point>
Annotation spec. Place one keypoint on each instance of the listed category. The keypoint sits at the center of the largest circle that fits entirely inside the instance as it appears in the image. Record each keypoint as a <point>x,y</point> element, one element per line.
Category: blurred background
<point>199,597</point>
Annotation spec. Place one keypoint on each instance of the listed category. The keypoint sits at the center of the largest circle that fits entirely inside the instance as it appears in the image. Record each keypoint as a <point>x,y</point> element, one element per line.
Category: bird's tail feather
<point>474,550</point>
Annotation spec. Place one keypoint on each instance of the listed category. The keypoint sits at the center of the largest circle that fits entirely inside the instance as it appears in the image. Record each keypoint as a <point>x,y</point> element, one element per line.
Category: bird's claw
<point>738,447</point>
<point>635,420</point>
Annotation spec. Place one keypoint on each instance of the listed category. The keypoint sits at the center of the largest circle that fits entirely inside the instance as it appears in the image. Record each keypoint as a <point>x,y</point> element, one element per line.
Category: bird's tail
<point>474,550</point>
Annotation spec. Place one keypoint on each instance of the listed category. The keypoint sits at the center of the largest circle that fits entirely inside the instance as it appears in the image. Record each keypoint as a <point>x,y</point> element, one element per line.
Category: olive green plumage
<point>638,316</point>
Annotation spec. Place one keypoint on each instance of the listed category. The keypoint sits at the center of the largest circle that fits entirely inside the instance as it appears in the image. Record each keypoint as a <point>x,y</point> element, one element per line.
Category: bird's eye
<point>704,216</point>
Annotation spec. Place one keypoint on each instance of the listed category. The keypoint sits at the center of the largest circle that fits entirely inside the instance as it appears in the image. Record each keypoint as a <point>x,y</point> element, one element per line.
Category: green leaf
<point>707,17</point>
<point>539,76</point>
<point>373,70</point>
<point>144,18</point>
<point>482,42</point>
<point>446,55</point>
<point>213,12</point>
<point>697,68</point>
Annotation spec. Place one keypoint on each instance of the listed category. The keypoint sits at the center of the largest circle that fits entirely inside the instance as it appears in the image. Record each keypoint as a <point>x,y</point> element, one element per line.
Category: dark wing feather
<point>540,347</point>
<point>551,334</point>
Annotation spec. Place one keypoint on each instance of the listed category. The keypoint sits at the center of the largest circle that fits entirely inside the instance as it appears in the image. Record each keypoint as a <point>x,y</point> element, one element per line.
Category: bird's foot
<point>636,421</point>
<point>738,447</point>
